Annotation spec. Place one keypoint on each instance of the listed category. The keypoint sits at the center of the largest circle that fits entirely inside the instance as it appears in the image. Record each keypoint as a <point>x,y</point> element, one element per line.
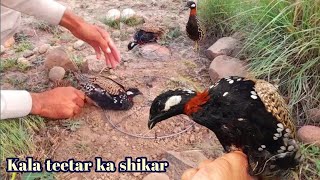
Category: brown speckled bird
<point>146,34</point>
<point>245,114</point>
<point>195,30</point>
<point>106,93</point>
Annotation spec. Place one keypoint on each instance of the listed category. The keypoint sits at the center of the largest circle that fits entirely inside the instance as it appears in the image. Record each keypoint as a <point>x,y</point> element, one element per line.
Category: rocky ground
<point>153,69</point>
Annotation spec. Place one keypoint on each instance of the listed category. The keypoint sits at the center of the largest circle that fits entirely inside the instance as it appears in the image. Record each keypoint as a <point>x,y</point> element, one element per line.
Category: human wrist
<point>71,21</point>
<point>36,103</point>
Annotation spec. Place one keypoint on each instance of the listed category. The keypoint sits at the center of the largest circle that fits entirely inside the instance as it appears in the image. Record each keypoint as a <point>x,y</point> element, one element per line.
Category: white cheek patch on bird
<point>172,101</point>
<point>129,93</point>
<point>193,5</point>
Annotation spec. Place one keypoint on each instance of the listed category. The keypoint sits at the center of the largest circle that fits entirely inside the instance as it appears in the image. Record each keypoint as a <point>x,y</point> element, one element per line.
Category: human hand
<point>58,103</point>
<point>98,38</point>
<point>229,166</point>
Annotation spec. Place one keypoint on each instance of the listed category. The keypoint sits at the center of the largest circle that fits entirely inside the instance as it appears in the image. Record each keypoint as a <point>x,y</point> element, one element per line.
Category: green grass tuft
<point>16,137</point>
<point>23,46</point>
<point>11,64</point>
<point>310,167</point>
<point>133,21</point>
<point>7,64</point>
<point>113,24</point>
<point>49,28</point>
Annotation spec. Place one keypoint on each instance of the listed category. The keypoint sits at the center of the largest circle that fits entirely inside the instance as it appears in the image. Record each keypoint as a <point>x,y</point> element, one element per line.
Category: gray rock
<point>224,46</point>
<point>56,73</point>
<point>2,49</point>
<point>92,64</point>
<point>314,114</point>
<point>181,161</point>
<point>79,45</point>
<point>223,66</point>
<point>24,61</point>
<point>59,57</point>
<point>309,135</point>
<point>155,52</point>
<point>156,176</point>
<point>43,48</point>
<point>28,53</point>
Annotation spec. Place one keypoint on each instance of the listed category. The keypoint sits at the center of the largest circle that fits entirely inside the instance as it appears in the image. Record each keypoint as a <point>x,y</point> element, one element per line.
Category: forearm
<point>71,21</point>
<point>47,10</point>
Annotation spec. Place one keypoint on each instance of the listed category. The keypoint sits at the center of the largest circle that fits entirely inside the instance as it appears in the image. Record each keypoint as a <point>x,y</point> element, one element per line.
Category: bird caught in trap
<point>148,33</point>
<point>194,28</point>
<point>106,93</point>
<point>245,114</point>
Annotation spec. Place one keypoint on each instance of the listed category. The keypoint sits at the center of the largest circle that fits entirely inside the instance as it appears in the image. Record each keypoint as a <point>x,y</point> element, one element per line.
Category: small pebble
<point>78,45</point>
<point>56,73</point>
<point>43,48</point>
<point>28,53</point>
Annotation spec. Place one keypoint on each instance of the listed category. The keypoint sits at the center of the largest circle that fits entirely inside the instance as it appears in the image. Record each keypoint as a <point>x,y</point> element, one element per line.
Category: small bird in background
<point>195,30</point>
<point>245,114</point>
<point>106,93</point>
<point>146,34</point>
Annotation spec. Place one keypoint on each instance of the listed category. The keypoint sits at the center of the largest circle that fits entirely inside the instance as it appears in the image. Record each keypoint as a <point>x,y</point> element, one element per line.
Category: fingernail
<point>108,50</point>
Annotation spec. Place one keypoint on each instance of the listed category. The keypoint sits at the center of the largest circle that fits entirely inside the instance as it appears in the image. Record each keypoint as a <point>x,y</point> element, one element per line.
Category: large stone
<point>43,48</point>
<point>224,46</point>
<point>59,57</point>
<point>223,66</point>
<point>309,135</point>
<point>181,161</point>
<point>155,52</point>
<point>56,73</point>
<point>92,64</point>
<point>156,176</point>
<point>314,114</point>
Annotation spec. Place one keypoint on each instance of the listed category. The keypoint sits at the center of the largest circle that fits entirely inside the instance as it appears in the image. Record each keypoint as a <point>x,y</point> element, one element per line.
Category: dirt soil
<point>95,133</point>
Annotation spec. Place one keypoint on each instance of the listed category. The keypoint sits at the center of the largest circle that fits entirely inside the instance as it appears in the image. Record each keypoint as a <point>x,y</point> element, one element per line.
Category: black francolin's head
<point>191,5</point>
<point>132,92</point>
<point>131,45</point>
<point>168,104</point>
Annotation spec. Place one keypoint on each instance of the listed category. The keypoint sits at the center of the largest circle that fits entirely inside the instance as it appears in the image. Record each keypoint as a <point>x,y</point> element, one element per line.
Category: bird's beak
<point>154,120</point>
<point>151,124</point>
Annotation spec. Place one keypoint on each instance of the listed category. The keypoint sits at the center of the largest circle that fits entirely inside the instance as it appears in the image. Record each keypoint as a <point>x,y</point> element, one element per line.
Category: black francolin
<point>245,114</point>
<point>146,34</point>
<point>106,93</point>
<point>195,30</point>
